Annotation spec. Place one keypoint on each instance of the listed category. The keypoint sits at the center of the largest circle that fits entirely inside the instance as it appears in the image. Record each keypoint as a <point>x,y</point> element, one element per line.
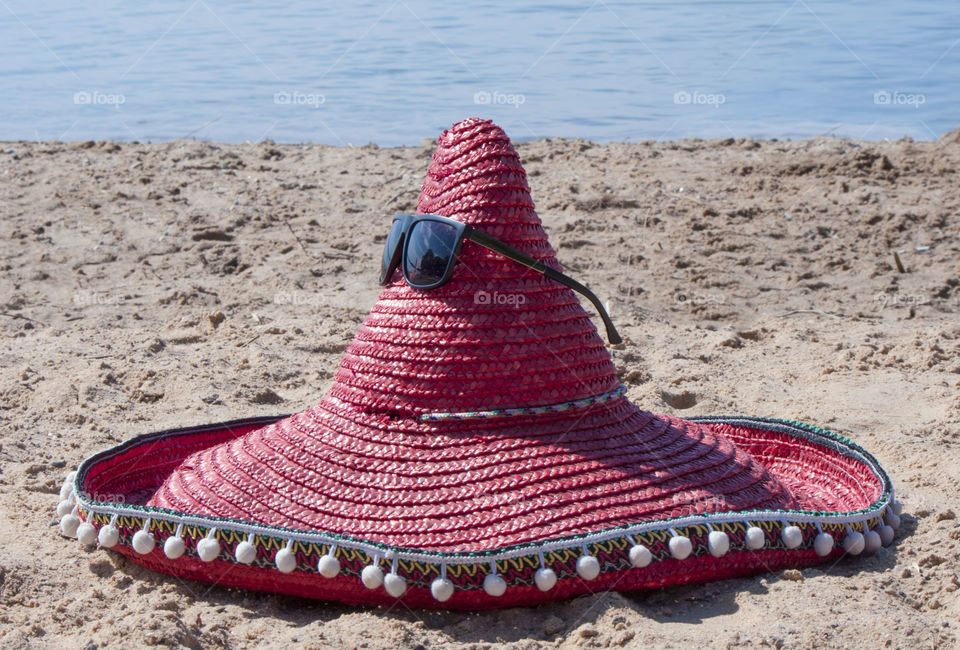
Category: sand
<point>146,286</point>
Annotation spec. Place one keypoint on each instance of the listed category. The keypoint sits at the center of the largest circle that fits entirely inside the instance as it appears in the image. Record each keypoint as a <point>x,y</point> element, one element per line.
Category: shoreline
<point>828,135</point>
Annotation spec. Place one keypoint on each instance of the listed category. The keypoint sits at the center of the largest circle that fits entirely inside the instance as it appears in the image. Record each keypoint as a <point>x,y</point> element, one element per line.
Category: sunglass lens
<point>429,249</point>
<point>390,250</point>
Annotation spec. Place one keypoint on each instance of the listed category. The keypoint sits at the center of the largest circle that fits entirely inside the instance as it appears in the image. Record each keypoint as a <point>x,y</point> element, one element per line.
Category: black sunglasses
<point>428,246</point>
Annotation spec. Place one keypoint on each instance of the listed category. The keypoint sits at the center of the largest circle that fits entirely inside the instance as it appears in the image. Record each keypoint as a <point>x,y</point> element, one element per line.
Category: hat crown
<point>497,335</point>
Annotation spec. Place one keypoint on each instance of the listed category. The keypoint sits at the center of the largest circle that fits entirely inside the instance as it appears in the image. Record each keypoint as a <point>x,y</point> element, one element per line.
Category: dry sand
<point>146,286</point>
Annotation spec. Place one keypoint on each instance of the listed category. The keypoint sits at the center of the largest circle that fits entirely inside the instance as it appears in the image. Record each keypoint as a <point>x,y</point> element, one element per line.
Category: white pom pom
<point>394,585</point>
<point>109,536</point>
<point>871,542</point>
<point>545,579</point>
<point>328,566</point>
<point>245,552</point>
<point>285,560</point>
<point>208,549</point>
<point>66,492</point>
<point>174,547</point>
<point>87,534</point>
<point>680,547</point>
<point>69,524</point>
<point>640,556</point>
<point>792,536</point>
<point>718,543</point>
<point>823,544</point>
<point>896,507</point>
<point>143,542</point>
<point>64,507</point>
<point>853,543</point>
<point>891,519</point>
<point>494,585</point>
<point>588,567</point>
<point>372,576</point>
<point>755,539</point>
<point>886,534</point>
<point>442,589</point>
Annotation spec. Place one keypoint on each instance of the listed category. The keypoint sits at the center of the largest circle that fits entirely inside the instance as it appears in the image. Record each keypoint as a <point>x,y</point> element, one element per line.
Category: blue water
<point>397,72</point>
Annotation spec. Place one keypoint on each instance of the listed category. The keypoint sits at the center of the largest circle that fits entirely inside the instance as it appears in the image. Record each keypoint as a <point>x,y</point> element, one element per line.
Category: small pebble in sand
<point>793,574</point>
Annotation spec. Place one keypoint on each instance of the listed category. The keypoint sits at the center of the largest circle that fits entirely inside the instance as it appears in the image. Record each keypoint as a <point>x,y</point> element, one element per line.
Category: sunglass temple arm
<point>498,246</point>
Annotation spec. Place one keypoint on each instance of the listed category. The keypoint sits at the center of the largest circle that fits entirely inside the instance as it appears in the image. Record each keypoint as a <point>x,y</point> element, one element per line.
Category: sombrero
<point>476,449</point>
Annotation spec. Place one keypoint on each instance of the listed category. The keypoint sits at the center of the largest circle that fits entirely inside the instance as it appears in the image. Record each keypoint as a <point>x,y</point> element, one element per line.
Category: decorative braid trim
<point>614,549</point>
<point>526,410</point>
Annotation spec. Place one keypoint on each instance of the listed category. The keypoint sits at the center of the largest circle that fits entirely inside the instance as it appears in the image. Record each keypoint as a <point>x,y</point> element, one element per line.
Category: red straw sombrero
<point>476,449</point>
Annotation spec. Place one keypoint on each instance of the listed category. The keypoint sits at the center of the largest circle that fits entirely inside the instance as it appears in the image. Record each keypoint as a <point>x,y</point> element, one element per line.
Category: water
<point>396,72</point>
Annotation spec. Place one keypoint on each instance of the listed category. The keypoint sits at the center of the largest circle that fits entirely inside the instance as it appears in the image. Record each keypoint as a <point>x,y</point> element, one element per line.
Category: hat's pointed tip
<point>472,123</point>
<point>464,131</point>
<point>470,150</point>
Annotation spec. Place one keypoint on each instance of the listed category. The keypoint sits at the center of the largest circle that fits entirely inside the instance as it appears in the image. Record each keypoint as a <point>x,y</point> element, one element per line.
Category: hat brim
<point>111,488</point>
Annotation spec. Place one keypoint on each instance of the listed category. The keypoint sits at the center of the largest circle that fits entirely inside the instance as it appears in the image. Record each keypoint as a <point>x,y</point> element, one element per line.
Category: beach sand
<point>147,286</point>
